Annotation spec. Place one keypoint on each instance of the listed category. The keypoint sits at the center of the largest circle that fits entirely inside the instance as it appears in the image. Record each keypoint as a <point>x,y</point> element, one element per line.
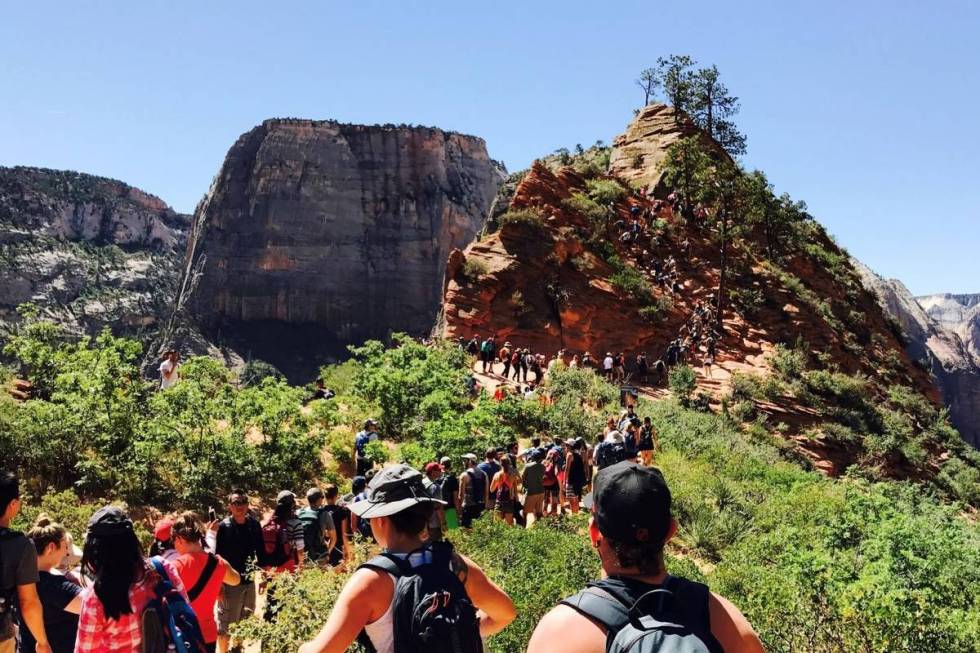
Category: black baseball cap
<point>110,520</point>
<point>630,503</point>
<point>392,490</point>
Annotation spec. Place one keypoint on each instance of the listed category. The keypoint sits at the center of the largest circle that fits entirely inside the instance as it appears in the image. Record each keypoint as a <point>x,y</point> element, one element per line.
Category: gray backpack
<point>641,618</point>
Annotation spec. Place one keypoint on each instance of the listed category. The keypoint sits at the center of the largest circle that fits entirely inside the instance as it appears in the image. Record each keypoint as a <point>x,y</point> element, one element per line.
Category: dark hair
<point>535,442</point>
<point>188,527</point>
<point>237,493</point>
<point>45,532</point>
<point>284,509</point>
<point>413,520</point>
<point>490,453</point>
<point>116,563</point>
<point>9,490</point>
<point>647,557</point>
<point>330,491</point>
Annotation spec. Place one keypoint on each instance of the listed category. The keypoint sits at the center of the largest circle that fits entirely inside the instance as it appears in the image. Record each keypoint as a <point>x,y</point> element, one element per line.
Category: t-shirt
<point>607,363</point>
<point>450,489</point>
<point>361,440</point>
<point>533,478</point>
<point>239,544</point>
<point>474,486</point>
<point>168,374</point>
<point>341,521</point>
<point>55,592</point>
<point>189,567</point>
<point>19,567</point>
<point>490,468</point>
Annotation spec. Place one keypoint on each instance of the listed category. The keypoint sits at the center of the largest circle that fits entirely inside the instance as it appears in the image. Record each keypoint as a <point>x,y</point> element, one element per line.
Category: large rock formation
<point>88,251</point>
<point>959,314</point>
<point>317,234</point>
<point>930,327</point>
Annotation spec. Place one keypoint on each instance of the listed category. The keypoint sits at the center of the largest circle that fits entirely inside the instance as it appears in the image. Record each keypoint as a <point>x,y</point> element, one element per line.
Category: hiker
<point>607,366</point>
<point>488,351</point>
<point>642,367</point>
<point>515,365</point>
<point>575,477</point>
<point>60,596</point>
<point>503,488</point>
<point>505,358</point>
<point>19,576</point>
<point>368,434</point>
<point>379,599</point>
<point>649,442</point>
<point>573,365</point>
<point>432,482</point>
<point>283,545</point>
<point>550,484</point>
<point>358,488</point>
<point>340,516</point>
<point>532,480</point>
<point>474,491</point>
<point>124,583</point>
<point>619,367</point>
<point>169,374</point>
<point>163,541</point>
<point>490,467</point>
<point>320,391</point>
<point>630,525</point>
<point>319,530</point>
<point>239,542</point>
<point>473,346</point>
<point>450,493</point>
<point>709,360</point>
<point>203,574</point>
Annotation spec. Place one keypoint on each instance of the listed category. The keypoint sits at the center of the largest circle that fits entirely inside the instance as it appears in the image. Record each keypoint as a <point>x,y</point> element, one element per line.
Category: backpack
<point>609,453</point>
<point>364,525</point>
<point>315,545</point>
<point>550,477</point>
<point>671,618</point>
<point>431,611</point>
<point>168,619</point>
<point>486,347</point>
<point>8,595</point>
<point>277,550</point>
<point>476,483</point>
<point>360,441</point>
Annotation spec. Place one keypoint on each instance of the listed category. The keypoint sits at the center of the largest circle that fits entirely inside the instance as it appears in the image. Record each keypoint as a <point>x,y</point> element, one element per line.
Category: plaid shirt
<point>97,634</point>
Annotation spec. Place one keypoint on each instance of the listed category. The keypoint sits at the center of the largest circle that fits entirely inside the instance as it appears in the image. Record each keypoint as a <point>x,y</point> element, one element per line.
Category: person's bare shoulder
<point>730,627</point>
<point>565,630</point>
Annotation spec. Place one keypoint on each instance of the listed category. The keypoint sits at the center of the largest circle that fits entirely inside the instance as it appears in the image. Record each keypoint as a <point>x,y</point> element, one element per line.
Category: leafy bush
<point>682,381</point>
<point>473,269</point>
<point>788,363</point>
<point>658,308</point>
<point>631,281</point>
<point>529,217</point>
<point>256,371</point>
<point>606,191</point>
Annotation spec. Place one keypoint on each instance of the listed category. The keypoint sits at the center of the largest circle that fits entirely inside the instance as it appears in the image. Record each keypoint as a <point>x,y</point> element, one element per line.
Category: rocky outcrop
<point>959,314</point>
<point>317,234</point>
<point>90,252</point>
<point>638,153</point>
<point>936,344</point>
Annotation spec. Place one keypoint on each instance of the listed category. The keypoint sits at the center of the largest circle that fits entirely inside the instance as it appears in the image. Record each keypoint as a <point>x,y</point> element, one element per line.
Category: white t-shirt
<point>168,374</point>
<point>607,363</point>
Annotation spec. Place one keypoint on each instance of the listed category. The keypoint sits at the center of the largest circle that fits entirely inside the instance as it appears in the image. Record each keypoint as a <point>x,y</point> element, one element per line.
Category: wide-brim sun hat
<point>391,491</point>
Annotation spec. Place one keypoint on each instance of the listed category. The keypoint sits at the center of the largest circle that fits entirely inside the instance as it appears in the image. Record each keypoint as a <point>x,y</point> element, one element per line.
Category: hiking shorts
<point>470,512</point>
<point>534,504</point>
<point>573,490</point>
<point>551,491</point>
<point>237,602</point>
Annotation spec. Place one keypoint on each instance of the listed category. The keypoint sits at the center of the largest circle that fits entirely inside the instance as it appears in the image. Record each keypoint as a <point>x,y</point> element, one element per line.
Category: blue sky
<point>866,110</point>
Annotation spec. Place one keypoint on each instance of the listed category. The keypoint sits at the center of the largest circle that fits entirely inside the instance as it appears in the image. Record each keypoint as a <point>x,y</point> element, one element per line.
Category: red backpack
<point>277,549</point>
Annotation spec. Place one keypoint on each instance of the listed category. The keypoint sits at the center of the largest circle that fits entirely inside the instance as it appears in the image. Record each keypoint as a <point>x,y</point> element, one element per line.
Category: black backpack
<point>642,618</point>
<point>609,453</point>
<point>8,595</point>
<point>431,612</point>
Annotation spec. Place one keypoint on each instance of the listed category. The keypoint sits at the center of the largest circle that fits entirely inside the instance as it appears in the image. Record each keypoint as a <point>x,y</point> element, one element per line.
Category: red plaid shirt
<point>97,634</point>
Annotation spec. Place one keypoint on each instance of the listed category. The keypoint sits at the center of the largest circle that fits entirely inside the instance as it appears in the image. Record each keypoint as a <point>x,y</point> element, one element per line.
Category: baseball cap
<point>433,467</point>
<point>163,530</point>
<point>314,493</point>
<point>285,497</point>
<point>445,460</point>
<point>630,503</point>
<point>357,484</point>
<point>392,490</point>
<point>469,456</point>
<point>110,520</point>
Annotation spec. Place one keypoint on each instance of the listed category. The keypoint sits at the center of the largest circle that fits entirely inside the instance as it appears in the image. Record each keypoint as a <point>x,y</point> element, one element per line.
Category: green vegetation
<point>529,217</point>
<point>473,269</point>
<point>657,309</point>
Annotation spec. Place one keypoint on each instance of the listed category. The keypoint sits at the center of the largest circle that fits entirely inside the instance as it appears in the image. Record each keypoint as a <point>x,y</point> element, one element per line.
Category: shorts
<point>470,512</point>
<point>237,602</point>
<point>551,492</point>
<point>573,491</point>
<point>534,503</point>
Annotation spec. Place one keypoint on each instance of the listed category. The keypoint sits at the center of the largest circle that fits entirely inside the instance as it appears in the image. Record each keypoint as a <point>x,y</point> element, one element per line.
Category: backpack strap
<point>600,606</point>
<point>204,578</point>
<point>389,564</point>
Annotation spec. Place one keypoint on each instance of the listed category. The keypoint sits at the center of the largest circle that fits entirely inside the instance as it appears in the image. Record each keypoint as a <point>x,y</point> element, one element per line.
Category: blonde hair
<point>189,527</point>
<point>44,532</point>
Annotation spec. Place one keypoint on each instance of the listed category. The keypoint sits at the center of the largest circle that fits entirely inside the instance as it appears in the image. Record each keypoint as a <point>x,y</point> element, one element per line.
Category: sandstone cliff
<point>316,234</point>
<point>959,314</point>
<point>89,251</point>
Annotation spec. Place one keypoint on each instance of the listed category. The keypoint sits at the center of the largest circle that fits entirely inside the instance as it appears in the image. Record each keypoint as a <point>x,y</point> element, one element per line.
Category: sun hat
<point>285,497</point>
<point>391,491</point>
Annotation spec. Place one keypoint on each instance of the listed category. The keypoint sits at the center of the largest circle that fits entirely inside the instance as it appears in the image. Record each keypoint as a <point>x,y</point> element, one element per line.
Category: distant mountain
<point>959,314</point>
<point>90,252</point>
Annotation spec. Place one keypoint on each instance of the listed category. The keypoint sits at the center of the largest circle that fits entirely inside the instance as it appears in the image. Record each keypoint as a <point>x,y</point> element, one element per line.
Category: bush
<point>256,371</point>
<point>606,191</point>
<point>528,217</point>
<point>682,381</point>
<point>788,363</point>
<point>631,281</point>
<point>657,309</point>
<point>473,269</point>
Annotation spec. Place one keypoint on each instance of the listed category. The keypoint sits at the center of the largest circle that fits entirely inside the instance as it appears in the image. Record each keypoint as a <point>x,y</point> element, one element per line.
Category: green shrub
<point>256,371</point>
<point>473,269</point>
<point>657,309</point>
<point>631,281</point>
<point>788,363</point>
<point>529,217</point>
<point>682,381</point>
<point>606,191</point>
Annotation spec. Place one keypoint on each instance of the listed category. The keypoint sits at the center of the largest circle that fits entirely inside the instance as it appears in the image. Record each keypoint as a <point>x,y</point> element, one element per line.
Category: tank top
<point>576,474</point>
<point>504,492</point>
<point>382,632</point>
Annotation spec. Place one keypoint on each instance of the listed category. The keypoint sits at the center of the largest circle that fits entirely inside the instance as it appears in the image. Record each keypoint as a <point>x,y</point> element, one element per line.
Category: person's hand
<point>42,647</point>
<point>213,526</point>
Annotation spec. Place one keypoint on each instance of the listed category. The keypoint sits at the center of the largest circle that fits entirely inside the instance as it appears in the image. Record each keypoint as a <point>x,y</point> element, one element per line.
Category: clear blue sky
<point>867,110</point>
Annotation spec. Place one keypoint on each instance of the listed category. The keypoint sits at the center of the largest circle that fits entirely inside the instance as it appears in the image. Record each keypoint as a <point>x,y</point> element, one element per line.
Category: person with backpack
<point>490,466</point>
<point>134,604</point>
<point>551,484</point>
<point>239,542</point>
<point>532,480</point>
<point>515,365</point>
<point>575,477</point>
<point>474,491</point>
<point>163,540</point>
<point>637,606</point>
<point>450,493</point>
<point>369,433</point>
<point>283,545</point>
<point>60,596</point>
<point>473,346</point>
<point>488,349</point>
<point>649,442</point>
<point>18,575</point>
<point>503,488</point>
<point>203,574</point>
<point>415,596</point>
<point>319,530</point>
<point>610,451</point>
<point>432,481</point>
<point>341,521</point>
<point>504,356</point>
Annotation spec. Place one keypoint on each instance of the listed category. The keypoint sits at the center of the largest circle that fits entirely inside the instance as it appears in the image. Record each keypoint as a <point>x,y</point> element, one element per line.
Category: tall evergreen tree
<point>712,108</point>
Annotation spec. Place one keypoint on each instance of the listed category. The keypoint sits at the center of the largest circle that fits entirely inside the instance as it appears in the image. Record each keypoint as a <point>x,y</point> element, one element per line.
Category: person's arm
<point>232,577</point>
<point>357,606</point>
<point>730,627</point>
<point>495,483</point>
<point>461,493</point>
<point>329,531</point>
<point>32,614</point>
<point>486,490</point>
<point>496,609</point>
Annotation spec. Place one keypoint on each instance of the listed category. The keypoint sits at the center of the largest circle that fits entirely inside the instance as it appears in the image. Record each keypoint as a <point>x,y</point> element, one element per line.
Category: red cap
<point>433,467</point>
<point>162,530</point>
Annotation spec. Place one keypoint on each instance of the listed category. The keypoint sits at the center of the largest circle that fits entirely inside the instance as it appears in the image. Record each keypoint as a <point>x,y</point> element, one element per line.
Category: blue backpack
<point>169,619</point>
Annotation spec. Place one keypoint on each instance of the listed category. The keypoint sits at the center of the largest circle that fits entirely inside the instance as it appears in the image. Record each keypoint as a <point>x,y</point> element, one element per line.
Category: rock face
<point>931,326</point>
<point>638,153</point>
<point>88,251</point>
<point>316,234</point>
<point>957,313</point>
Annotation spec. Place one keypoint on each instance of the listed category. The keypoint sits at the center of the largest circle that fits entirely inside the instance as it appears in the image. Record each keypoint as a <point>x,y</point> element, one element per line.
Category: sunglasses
<point>240,502</point>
